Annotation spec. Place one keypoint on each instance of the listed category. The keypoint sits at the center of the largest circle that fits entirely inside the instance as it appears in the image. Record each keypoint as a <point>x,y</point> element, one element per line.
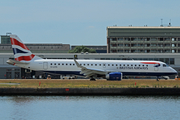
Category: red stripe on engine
<point>25,58</point>
<point>150,62</point>
<point>16,42</point>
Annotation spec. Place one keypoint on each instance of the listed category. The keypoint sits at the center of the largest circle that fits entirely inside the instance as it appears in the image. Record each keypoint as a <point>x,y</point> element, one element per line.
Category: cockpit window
<point>165,65</point>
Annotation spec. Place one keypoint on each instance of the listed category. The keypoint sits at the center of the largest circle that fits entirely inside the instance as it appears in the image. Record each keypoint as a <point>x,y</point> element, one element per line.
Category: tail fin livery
<point>20,50</point>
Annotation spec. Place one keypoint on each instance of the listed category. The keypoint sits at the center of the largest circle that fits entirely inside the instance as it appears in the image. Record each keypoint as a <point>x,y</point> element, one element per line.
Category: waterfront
<point>90,107</point>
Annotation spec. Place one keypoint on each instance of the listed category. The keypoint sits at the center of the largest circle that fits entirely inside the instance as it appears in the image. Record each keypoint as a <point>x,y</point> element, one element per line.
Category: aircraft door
<point>45,65</point>
<point>156,68</point>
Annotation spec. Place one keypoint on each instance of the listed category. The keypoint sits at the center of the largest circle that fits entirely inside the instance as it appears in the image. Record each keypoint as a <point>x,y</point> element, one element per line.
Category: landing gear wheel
<point>92,79</point>
<point>158,78</point>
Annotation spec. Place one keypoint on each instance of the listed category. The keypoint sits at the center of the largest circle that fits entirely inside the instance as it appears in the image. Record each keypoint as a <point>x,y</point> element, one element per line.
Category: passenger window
<point>69,64</point>
<point>119,64</point>
<point>116,64</point>
<point>87,64</point>
<point>66,64</point>
<point>131,65</point>
<point>112,64</point>
<point>108,64</point>
<point>54,63</point>
<point>84,64</point>
<point>62,63</point>
<point>51,63</point>
<point>91,64</point>
<point>99,64</point>
<point>128,65</point>
<point>73,64</point>
<point>95,64</point>
<point>124,64</point>
<point>146,65</point>
<point>139,65</point>
<point>58,63</point>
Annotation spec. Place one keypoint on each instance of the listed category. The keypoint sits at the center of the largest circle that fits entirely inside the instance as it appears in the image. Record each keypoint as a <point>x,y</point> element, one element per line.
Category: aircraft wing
<point>88,72</point>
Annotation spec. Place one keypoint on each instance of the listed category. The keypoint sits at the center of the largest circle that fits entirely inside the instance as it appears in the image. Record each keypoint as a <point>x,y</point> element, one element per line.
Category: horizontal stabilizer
<point>13,62</point>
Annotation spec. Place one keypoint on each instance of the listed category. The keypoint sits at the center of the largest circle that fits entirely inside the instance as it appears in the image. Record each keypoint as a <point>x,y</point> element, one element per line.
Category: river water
<point>90,107</point>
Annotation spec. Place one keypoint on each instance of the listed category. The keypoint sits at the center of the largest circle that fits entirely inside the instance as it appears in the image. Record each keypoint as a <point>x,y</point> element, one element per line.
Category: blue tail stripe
<point>16,50</point>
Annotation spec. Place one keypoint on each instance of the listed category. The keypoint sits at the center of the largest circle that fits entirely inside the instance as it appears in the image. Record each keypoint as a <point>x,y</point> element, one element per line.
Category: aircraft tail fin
<point>20,50</point>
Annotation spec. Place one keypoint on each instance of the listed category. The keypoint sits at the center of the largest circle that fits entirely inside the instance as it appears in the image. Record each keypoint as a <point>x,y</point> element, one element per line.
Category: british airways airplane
<point>109,69</point>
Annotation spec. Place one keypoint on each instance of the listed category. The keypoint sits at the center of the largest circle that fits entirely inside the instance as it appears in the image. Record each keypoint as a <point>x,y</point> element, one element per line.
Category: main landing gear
<point>92,79</point>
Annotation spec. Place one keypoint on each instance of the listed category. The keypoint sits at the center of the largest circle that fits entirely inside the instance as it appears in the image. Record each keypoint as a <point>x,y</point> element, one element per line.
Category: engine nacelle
<point>114,76</point>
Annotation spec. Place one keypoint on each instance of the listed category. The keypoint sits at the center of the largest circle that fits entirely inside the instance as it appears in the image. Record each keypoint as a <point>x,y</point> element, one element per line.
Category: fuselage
<point>127,67</point>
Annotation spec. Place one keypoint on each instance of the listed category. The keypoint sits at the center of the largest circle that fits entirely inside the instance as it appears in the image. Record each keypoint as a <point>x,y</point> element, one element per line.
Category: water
<point>90,107</point>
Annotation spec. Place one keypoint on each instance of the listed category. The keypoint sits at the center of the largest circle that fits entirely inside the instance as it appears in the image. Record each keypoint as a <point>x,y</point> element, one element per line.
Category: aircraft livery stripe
<point>150,62</point>
<point>16,50</point>
<point>25,58</point>
<point>16,42</point>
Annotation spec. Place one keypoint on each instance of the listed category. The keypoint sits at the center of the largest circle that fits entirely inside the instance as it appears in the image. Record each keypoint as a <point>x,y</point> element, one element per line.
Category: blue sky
<point>81,22</point>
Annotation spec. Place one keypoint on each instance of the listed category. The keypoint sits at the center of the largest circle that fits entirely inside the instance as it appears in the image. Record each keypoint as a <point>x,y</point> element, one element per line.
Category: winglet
<point>78,65</point>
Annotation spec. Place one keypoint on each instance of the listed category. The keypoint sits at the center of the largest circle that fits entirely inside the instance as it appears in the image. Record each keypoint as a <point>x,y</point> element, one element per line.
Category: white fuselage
<point>127,67</point>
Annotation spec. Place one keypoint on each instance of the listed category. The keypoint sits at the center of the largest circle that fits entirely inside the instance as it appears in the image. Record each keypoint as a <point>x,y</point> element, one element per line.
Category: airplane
<point>93,69</point>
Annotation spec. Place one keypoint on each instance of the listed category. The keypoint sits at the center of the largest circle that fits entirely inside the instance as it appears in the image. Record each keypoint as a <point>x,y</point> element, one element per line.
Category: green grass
<point>55,83</point>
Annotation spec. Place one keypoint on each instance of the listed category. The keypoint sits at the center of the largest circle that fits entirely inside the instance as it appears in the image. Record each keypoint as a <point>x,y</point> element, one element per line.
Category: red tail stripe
<point>16,42</point>
<point>25,58</point>
<point>150,62</point>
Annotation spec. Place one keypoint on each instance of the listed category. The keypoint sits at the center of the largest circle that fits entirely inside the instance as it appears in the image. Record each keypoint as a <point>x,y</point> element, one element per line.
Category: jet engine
<point>114,76</point>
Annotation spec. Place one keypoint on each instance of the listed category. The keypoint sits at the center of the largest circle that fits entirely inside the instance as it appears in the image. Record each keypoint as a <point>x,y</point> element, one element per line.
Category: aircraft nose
<point>174,71</point>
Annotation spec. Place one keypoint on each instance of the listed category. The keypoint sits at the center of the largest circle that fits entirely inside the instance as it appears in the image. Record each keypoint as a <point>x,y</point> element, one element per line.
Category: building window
<point>172,61</point>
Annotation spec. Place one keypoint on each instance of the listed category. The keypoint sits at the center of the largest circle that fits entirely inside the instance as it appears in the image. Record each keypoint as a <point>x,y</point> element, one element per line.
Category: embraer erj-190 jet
<point>109,69</point>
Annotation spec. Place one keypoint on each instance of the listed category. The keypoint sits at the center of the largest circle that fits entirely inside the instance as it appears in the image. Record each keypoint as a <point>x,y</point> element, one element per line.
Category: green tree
<point>79,49</point>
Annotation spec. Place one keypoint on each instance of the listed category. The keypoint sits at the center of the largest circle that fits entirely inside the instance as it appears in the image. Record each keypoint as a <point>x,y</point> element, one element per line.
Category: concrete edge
<point>89,91</point>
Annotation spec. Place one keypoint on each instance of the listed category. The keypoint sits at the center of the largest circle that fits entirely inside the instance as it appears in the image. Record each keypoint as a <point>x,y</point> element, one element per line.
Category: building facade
<point>5,47</point>
<point>99,49</point>
<point>143,39</point>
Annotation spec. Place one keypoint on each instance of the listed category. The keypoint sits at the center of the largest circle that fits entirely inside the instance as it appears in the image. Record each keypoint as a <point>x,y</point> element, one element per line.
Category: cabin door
<point>156,68</point>
<point>45,65</point>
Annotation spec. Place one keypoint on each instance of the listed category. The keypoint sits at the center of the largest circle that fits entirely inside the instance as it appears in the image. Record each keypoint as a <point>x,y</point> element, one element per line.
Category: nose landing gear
<point>158,78</point>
